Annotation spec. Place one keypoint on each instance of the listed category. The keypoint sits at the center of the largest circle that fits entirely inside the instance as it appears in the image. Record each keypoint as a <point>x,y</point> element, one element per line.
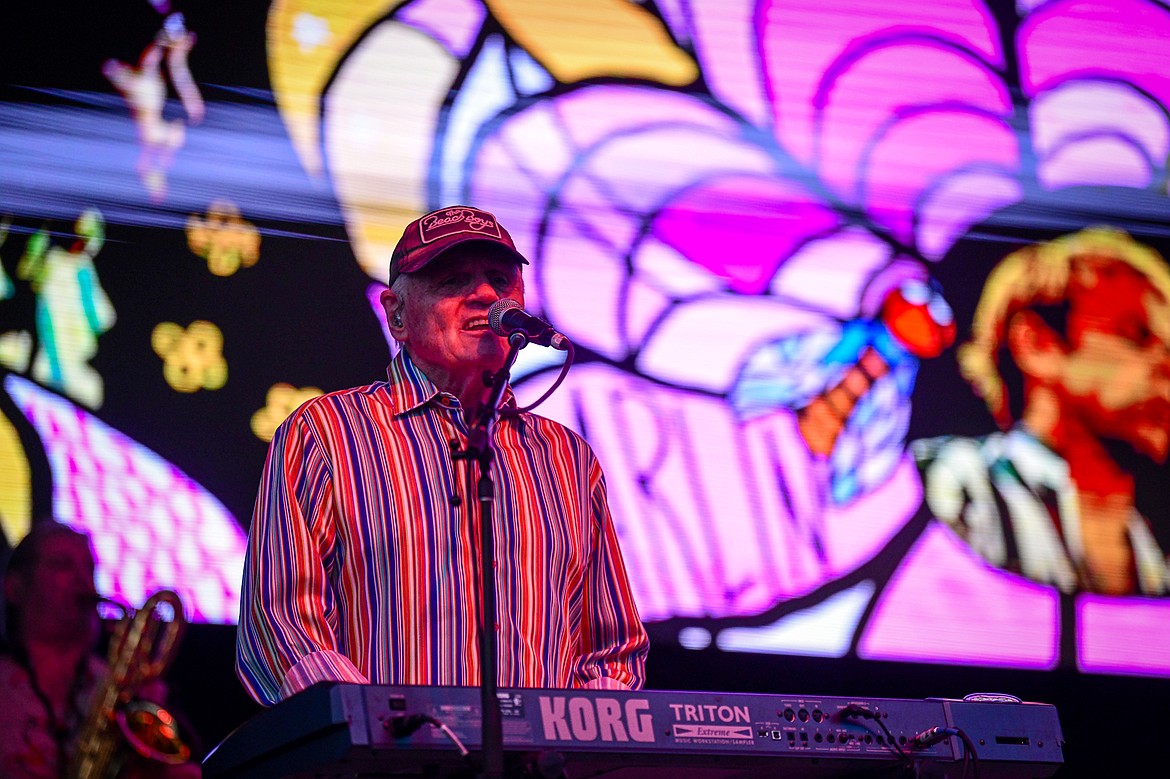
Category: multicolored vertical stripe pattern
<point>363,553</point>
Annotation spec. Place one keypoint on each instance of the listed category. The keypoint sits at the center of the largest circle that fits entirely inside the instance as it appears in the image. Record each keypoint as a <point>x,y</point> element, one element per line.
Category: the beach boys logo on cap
<point>450,221</point>
<point>430,235</point>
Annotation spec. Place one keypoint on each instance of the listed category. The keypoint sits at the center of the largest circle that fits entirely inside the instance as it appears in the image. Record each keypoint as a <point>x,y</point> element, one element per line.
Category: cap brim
<point>422,259</point>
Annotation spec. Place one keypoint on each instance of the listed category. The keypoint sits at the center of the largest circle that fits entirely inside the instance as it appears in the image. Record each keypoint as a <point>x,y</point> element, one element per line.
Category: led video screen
<point>869,299</point>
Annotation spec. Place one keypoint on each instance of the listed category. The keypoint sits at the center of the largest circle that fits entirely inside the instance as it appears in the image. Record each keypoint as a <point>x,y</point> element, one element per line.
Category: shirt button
<point>454,501</point>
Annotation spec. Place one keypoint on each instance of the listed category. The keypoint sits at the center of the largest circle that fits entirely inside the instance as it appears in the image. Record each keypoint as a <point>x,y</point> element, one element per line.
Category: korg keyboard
<point>334,730</point>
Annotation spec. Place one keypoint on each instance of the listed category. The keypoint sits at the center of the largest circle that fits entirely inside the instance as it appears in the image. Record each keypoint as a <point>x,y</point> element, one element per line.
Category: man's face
<point>57,596</point>
<point>1117,371</point>
<point>445,312</point>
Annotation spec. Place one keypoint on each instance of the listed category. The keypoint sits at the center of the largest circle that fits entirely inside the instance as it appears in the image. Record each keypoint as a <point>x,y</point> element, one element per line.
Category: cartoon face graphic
<point>1116,371</point>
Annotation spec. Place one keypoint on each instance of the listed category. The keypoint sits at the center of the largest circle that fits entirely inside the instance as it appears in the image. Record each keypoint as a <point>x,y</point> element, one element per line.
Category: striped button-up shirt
<point>363,552</point>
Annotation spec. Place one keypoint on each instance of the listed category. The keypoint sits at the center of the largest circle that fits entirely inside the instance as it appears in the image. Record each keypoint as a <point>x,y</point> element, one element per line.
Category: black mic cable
<point>932,736</point>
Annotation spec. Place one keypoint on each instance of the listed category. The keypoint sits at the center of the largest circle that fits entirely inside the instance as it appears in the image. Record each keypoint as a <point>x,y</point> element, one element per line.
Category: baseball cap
<point>431,234</point>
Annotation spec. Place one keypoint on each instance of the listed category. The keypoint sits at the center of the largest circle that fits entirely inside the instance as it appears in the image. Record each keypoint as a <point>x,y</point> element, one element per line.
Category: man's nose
<point>1161,378</point>
<point>1160,374</point>
<point>486,291</point>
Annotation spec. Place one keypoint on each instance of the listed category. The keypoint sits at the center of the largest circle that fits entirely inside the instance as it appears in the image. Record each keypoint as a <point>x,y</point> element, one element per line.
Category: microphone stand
<point>479,448</point>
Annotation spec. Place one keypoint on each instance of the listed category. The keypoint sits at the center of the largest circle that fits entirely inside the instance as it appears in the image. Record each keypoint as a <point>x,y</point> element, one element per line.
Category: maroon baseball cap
<point>431,234</point>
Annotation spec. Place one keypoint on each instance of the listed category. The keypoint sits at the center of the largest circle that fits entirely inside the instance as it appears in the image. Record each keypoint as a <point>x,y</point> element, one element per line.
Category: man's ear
<point>392,305</point>
<point>1035,347</point>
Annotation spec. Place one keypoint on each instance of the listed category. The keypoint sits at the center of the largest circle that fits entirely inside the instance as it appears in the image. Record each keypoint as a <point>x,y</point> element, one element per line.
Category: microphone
<point>506,317</point>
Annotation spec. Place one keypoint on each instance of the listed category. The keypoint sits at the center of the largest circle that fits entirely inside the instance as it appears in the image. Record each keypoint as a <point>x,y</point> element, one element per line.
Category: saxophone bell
<point>152,732</point>
<point>119,725</point>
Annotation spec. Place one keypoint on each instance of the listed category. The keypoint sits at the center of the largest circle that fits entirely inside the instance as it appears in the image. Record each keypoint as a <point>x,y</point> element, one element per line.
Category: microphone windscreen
<point>496,314</point>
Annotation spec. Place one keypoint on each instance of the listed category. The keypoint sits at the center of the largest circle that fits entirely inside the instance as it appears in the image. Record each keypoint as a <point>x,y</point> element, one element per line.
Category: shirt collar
<point>410,388</point>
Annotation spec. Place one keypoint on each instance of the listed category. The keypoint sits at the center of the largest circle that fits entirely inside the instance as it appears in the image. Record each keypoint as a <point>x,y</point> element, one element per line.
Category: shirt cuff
<point>323,666</point>
<point>604,683</point>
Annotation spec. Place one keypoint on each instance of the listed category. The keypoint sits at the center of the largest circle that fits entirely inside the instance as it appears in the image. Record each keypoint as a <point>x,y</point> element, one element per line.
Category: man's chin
<point>1154,443</point>
<point>1151,444</point>
<point>490,352</point>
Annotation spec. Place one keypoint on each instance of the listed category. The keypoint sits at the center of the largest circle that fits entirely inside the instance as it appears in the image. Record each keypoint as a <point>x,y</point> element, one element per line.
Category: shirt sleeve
<point>285,639</point>
<point>614,641</point>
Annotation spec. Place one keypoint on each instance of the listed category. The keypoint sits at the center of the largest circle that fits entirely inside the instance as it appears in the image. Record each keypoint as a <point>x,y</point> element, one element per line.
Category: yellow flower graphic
<point>282,400</point>
<point>224,239</point>
<point>192,357</point>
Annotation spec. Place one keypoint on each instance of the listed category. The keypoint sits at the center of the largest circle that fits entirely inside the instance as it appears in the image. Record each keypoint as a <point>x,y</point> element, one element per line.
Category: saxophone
<point>117,726</point>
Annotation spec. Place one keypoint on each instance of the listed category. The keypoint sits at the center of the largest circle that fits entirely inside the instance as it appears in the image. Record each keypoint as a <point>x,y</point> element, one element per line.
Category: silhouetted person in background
<point>51,667</point>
